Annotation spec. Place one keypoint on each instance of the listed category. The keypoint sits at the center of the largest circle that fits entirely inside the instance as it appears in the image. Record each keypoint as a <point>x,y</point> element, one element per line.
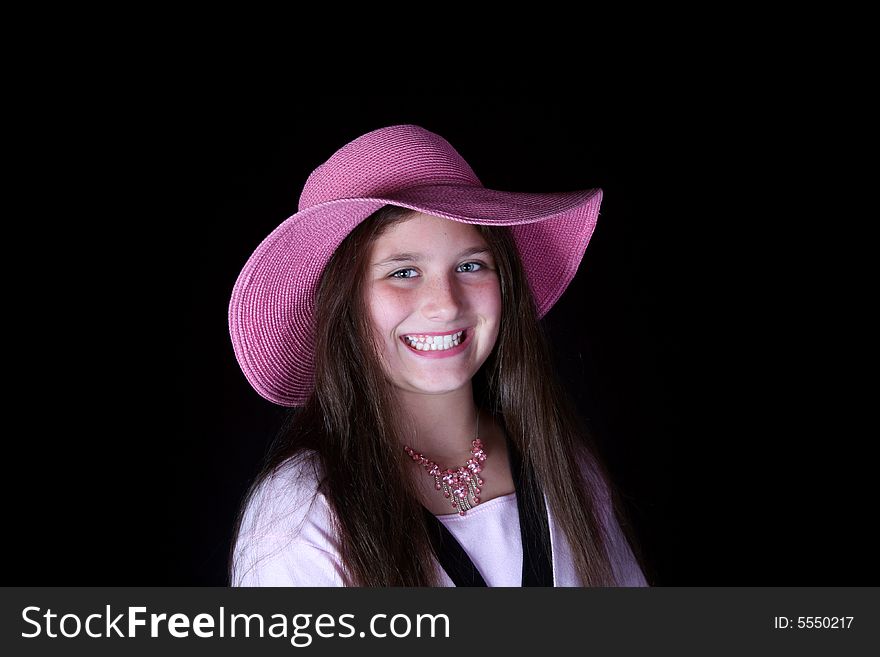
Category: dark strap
<point>451,555</point>
<point>534,530</point>
<point>533,524</point>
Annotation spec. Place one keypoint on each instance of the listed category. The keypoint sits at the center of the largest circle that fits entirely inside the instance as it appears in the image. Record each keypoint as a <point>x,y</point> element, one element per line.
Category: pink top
<point>286,537</point>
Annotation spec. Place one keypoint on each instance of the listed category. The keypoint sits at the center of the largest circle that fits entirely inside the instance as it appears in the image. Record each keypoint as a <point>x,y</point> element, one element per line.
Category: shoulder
<point>624,564</point>
<point>285,537</point>
<point>281,499</point>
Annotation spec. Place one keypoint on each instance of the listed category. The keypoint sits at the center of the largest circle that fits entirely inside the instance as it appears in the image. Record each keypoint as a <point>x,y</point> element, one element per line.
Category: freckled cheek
<point>388,309</point>
<point>489,299</point>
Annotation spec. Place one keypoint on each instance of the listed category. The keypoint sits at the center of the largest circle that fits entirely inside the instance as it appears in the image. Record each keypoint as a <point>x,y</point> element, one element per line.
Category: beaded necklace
<point>462,484</point>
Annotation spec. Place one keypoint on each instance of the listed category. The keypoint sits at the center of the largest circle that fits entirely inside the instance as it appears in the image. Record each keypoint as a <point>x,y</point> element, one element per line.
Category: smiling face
<point>434,299</point>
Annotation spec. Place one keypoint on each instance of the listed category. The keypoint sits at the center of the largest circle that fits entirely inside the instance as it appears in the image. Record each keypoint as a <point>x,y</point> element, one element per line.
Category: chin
<point>438,389</point>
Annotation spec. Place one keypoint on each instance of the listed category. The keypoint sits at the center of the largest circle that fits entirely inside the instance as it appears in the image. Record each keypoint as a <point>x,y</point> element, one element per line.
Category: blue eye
<point>471,267</point>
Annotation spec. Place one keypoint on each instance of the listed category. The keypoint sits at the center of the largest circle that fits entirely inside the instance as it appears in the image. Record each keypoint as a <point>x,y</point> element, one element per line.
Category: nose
<point>442,298</point>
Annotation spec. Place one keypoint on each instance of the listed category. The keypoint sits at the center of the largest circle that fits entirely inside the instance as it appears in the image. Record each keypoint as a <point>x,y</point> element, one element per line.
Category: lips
<point>432,334</point>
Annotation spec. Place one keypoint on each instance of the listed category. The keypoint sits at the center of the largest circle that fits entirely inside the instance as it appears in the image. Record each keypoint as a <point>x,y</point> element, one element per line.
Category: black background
<point>693,337</point>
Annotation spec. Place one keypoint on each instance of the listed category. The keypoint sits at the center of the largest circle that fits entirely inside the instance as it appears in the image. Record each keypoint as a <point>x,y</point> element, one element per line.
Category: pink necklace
<point>461,484</point>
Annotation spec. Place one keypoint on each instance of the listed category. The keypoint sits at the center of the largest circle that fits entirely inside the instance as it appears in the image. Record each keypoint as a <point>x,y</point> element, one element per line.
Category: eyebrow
<point>417,257</point>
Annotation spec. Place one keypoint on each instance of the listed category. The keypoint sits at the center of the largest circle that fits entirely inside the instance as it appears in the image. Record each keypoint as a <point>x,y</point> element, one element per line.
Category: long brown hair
<point>351,421</point>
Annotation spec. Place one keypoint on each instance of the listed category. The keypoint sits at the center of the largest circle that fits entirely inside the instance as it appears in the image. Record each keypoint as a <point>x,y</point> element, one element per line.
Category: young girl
<point>398,311</point>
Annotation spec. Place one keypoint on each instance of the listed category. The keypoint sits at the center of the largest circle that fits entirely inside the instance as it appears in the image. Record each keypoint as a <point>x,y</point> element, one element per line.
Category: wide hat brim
<point>271,309</point>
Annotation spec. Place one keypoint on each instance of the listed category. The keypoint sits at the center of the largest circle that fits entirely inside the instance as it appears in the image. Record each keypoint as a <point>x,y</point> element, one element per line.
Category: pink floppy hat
<point>271,310</point>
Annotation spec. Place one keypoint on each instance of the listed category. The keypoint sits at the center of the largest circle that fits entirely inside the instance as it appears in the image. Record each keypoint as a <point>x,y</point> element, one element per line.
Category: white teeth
<point>434,342</point>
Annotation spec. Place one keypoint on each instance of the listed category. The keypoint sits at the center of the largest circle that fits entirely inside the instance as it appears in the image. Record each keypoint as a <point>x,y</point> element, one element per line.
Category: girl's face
<point>434,298</point>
